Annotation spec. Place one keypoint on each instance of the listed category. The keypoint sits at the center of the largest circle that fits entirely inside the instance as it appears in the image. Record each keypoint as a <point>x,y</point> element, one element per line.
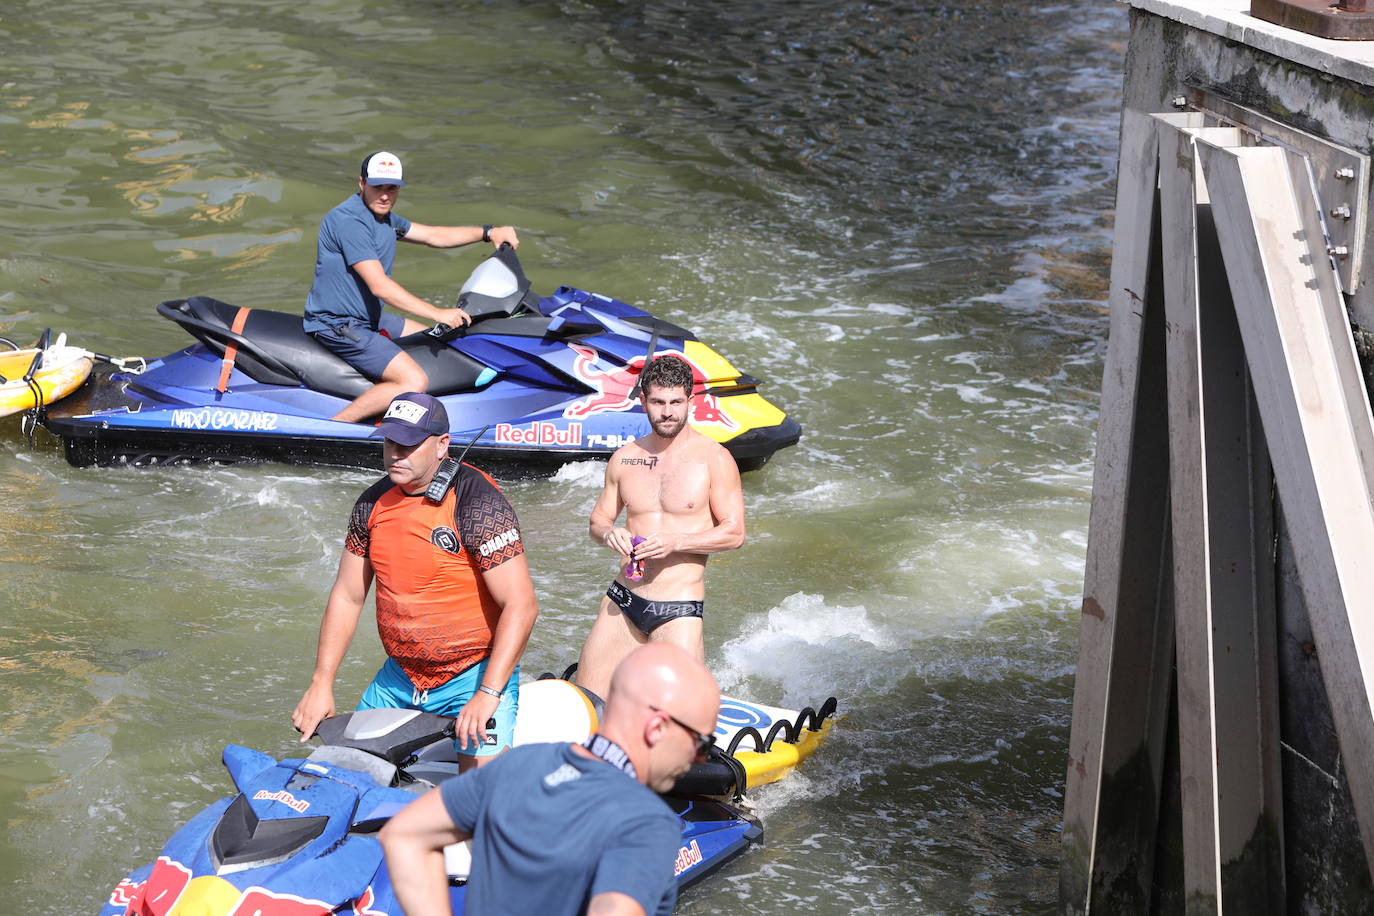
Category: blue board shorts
<point>366,350</point>
<point>392,688</point>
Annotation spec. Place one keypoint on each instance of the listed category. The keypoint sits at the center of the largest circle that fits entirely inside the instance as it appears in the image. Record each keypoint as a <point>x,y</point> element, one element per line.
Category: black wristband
<point>486,233</point>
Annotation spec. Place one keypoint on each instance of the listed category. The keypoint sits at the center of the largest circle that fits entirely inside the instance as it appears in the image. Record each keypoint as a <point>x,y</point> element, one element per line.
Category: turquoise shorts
<point>392,688</point>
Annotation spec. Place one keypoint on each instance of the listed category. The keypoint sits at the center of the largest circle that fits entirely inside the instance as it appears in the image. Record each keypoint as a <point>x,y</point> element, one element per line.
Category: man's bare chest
<point>670,487</point>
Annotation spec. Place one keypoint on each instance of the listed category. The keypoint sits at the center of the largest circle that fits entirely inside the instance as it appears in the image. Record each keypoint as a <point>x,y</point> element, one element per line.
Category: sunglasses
<point>704,742</point>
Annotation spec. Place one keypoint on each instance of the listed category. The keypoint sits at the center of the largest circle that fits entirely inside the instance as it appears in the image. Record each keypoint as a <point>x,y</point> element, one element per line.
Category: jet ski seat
<point>275,350</point>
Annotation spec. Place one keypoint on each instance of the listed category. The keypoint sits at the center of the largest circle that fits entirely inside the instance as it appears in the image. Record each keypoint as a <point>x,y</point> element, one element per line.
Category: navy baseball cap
<point>413,418</point>
<point>381,168</point>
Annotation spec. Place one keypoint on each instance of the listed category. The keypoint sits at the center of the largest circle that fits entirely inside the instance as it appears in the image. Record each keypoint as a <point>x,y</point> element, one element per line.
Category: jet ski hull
<point>299,836</point>
<point>531,386</point>
<point>132,435</point>
<point>183,877</point>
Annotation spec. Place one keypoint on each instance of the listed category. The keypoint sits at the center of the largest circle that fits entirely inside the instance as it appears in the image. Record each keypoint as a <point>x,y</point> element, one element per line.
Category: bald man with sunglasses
<point>565,829</point>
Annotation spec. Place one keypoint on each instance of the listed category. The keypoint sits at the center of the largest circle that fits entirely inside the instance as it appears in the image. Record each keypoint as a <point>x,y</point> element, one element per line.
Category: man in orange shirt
<point>455,604</point>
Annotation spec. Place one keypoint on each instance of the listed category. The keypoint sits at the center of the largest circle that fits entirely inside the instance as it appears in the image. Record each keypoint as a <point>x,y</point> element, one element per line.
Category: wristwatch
<point>486,233</point>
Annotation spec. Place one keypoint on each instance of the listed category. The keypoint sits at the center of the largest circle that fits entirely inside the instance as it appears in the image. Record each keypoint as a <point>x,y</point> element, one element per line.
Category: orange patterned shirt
<point>434,613</point>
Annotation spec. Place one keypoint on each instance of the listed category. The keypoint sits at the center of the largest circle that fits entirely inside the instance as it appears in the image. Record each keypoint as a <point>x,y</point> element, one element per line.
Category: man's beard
<point>673,427</point>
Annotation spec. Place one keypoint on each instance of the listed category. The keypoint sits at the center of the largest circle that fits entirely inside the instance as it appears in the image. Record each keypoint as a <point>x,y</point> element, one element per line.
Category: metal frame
<point>1229,349</point>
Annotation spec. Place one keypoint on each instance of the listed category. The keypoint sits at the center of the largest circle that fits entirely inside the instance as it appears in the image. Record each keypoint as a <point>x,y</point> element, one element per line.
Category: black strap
<point>457,503</point>
<point>612,753</point>
<point>459,472</point>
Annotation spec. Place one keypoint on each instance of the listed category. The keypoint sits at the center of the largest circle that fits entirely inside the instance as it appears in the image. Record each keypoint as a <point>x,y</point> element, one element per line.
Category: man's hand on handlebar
<point>501,234</point>
<point>454,318</point>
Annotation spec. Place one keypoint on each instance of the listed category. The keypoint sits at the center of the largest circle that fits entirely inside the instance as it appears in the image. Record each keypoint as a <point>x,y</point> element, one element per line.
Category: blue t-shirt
<point>552,829</point>
<point>348,234</point>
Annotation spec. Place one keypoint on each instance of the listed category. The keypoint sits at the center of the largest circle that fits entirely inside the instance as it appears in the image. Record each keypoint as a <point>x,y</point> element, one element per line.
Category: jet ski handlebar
<point>446,332</point>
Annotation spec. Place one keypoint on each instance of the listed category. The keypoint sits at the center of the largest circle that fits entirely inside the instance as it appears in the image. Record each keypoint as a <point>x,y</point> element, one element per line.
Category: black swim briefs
<point>648,616</point>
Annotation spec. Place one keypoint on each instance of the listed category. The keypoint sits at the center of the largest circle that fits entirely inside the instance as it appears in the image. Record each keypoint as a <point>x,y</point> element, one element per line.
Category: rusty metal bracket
<point>1346,20</point>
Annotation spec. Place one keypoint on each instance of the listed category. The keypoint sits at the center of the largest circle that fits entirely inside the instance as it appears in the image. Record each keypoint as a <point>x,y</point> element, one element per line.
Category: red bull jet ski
<point>532,382</point>
<point>299,836</point>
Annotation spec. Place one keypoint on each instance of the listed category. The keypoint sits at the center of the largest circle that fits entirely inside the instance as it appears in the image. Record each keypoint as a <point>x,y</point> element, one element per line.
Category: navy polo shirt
<point>348,234</point>
<point>552,829</point>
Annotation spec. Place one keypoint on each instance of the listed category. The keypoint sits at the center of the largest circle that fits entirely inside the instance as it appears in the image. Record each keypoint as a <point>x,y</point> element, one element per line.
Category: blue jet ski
<point>532,383</point>
<point>299,837</point>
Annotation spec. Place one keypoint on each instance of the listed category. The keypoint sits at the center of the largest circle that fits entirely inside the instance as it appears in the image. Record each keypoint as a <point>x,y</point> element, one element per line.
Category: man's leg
<point>612,637</point>
<point>504,723</point>
<point>684,632</point>
<point>449,698</point>
<point>402,374</point>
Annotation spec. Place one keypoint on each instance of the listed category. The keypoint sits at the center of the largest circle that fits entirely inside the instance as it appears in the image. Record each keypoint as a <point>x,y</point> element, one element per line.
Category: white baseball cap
<point>382,168</point>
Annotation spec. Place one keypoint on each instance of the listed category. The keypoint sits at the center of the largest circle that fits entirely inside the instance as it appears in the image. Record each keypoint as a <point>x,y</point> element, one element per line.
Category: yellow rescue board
<point>61,372</point>
<point>783,757</point>
<point>747,726</point>
<point>556,710</point>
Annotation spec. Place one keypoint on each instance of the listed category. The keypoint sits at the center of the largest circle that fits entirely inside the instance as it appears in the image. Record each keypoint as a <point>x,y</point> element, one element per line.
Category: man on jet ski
<point>353,258</point>
<point>455,604</point>
<point>683,501</point>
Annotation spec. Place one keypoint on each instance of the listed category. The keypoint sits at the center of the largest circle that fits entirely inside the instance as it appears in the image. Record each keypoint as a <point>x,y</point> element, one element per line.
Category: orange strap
<point>232,350</point>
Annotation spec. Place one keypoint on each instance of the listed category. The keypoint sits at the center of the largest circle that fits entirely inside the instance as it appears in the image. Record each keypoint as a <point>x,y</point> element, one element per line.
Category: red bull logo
<point>363,905</point>
<point>706,409</point>
<point>257,901</point>
<point>614,387</point>
<point>687,856</point>
<point>125,893</point>
<point>171,891</point>
<point>162,890</point>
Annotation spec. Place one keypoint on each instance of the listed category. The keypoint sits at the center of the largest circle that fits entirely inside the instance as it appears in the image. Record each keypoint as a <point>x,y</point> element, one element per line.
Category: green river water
<point>897,214</point>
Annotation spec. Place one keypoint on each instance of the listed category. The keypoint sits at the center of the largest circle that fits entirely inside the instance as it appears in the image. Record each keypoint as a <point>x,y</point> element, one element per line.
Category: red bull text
<point>687,856</point>
<point>540,433</point>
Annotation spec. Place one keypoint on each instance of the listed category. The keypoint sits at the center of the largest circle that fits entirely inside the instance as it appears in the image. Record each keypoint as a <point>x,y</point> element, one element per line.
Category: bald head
<point>661,698</point>
<point>660,674</point>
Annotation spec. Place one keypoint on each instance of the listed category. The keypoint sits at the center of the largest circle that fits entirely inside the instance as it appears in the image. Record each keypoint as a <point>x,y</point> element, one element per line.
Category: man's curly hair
<point>667,371</point>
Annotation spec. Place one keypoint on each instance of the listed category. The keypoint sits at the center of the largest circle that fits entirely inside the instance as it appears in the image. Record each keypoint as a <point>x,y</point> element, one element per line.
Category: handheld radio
<point>447,471</point>
<point>443,479</point>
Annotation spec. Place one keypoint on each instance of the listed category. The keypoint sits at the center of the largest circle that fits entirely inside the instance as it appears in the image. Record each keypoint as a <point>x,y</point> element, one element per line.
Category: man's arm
<point>398,297</point>
<point>458,236</point>
<point>726,499</point>
<point>512,589</point>
<point>602,527</point>
<point>635,871</point>
<point>414,842</point>
<point>613,903</point>
<point>337,627</point>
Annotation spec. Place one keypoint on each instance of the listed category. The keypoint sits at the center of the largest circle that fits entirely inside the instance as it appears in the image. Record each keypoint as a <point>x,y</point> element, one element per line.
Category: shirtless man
<point>682,494</point>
